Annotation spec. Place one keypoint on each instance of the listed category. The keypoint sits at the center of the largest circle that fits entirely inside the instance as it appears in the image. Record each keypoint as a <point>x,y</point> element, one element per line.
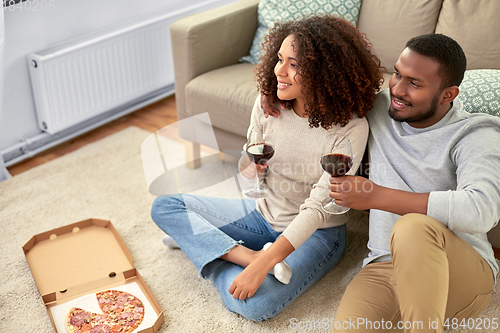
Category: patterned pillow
<point>480,91</point>
<point>271,11</point>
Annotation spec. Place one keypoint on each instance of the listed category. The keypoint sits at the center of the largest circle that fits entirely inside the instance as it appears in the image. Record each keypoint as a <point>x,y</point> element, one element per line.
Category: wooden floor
<point>151,118</point>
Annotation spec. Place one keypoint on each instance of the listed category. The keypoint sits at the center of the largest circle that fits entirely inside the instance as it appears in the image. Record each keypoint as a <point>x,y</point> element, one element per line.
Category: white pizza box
<point>83,258</point>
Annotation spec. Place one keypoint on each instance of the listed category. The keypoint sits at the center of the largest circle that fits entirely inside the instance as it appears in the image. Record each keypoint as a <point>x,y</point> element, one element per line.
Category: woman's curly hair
<point>340,74</point>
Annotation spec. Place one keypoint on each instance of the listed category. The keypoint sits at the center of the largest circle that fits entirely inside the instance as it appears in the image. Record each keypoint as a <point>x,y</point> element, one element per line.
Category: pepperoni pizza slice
<point>122,313</point>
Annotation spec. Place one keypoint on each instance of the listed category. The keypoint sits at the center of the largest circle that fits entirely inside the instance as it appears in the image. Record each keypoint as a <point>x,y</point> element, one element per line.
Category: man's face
<point>415,87</point>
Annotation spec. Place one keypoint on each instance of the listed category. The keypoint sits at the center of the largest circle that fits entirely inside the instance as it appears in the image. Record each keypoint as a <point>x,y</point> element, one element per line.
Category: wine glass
<point>260,149</point>
<point>337,161</point>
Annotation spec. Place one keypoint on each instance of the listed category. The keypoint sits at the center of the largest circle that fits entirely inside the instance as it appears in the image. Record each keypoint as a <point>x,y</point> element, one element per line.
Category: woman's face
<point>289,87</point>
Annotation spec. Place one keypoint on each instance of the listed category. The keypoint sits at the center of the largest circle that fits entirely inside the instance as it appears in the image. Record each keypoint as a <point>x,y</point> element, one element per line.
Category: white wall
<point>28,30</point>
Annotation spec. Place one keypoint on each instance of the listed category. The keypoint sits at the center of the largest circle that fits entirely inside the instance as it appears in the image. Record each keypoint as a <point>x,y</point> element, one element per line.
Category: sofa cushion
<point>271,11</point>
<point>472,24</point>
<point>389,24</point>
<point>227,94</point>
<point>480,91</point>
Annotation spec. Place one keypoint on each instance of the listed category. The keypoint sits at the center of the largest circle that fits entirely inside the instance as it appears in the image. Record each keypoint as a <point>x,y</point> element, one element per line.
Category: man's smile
<point>398,103</point>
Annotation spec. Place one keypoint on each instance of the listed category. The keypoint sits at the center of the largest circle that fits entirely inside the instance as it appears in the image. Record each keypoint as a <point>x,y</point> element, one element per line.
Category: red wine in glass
<point>259,150</point>
<point>337,161</point>
<point>336,164</point>
<point>260,153</point>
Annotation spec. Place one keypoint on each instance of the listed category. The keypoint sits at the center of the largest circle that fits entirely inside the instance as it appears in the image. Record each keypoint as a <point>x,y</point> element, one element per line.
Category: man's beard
<point>431,111</point>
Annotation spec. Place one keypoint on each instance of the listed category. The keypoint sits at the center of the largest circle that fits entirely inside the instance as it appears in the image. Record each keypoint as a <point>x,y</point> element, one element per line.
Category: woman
<point>322,71</point>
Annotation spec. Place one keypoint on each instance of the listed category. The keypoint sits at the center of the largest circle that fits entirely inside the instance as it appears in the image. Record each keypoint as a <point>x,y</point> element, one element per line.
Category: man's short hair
<point>446,51</point>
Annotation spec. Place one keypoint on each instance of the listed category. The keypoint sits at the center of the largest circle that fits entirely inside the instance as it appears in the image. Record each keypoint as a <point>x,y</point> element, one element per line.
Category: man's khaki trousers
<point>433,276</point>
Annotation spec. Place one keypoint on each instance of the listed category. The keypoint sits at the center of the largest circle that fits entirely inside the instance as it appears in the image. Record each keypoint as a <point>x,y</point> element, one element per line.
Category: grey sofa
<point>207,46</point>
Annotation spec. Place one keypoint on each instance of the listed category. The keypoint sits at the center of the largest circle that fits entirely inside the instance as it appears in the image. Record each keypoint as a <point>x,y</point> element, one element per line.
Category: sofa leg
<point>193,157</point>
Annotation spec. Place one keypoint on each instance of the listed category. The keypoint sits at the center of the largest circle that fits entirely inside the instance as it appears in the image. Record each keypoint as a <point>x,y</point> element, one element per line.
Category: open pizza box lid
<point>74,261</point>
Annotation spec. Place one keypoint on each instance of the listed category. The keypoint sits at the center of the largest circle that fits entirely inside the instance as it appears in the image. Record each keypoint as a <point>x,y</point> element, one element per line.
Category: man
<point>433,193</point>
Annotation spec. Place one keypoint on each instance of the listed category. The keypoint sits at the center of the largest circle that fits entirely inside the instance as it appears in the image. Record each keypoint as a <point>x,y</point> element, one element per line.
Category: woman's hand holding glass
<point>249,169</point>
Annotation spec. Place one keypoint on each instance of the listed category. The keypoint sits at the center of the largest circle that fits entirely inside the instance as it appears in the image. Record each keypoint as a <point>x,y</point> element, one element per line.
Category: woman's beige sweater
<point>297,183</point>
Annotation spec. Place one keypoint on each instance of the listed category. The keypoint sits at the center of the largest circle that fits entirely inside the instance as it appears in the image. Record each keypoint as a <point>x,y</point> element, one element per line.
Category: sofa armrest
<point>210,40</point>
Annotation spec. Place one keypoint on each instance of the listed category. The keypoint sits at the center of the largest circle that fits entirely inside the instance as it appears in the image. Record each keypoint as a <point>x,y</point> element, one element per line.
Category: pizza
<point>122,313</point>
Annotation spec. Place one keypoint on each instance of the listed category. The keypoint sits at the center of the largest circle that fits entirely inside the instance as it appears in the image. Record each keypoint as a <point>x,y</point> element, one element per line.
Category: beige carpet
<point>105,180</point>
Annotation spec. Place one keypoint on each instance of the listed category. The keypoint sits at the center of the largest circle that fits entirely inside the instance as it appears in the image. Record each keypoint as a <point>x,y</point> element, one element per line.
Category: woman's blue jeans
<point>206,228</point>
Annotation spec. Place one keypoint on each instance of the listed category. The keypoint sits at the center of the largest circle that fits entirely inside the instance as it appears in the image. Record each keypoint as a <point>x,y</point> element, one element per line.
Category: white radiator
<point>84,77</point>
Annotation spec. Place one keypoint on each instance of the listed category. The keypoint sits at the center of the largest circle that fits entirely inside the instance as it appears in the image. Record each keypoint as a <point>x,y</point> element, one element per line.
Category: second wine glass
<point>260,149</point>
<point>337,161</point>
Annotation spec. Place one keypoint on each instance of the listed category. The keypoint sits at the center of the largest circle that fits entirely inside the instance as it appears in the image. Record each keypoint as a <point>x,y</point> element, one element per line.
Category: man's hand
<point>268,109</point>
<point>360,193</point>
<point>354,192</point>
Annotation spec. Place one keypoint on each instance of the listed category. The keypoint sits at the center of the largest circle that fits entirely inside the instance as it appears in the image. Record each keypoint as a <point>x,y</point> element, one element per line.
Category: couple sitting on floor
<point>433,190</point>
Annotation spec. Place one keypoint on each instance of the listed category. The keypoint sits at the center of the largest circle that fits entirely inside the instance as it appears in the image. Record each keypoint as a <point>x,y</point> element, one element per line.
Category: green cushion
<point>271,11</point>
<point>480,91</point>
